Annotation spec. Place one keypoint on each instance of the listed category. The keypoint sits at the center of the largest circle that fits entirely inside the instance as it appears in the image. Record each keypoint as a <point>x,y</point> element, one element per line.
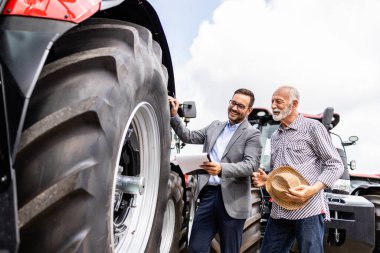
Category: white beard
<point>282,113</point>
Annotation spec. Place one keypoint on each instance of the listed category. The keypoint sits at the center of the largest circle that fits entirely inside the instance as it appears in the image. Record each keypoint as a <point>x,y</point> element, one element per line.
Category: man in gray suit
<point>224,191</point>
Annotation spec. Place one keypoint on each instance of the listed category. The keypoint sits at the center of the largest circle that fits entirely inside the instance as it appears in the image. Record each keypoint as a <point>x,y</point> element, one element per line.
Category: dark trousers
<point>211,217</point>
<point>280,234</point>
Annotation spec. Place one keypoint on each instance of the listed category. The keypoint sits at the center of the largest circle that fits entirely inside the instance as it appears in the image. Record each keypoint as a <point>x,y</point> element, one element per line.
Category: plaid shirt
<point>306,146</point>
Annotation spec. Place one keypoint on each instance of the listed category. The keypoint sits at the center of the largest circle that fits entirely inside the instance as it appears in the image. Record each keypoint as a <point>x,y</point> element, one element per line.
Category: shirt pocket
<point>296,152</point>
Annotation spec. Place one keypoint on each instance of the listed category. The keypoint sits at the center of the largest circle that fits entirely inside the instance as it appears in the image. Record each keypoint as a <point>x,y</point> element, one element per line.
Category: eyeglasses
<point>238,105</point>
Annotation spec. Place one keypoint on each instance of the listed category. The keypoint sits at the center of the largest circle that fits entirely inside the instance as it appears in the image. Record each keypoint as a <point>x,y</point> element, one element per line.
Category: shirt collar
<point>296,124</point>
<point>233,127</point>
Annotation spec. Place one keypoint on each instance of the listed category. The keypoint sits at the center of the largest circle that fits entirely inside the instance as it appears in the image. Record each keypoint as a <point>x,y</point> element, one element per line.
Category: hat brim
<point>281,199</point>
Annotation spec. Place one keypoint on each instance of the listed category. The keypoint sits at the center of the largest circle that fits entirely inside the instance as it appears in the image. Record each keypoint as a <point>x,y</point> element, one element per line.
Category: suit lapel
<point>215,135</point>
<point>235,136</point>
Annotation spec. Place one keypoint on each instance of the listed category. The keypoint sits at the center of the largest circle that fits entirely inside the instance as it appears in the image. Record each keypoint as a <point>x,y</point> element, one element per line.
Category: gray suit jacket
<point>240,158</point>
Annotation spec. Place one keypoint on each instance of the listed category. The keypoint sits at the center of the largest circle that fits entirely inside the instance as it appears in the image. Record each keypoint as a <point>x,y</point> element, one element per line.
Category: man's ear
<point>249,111</point>
<point>295,104</point>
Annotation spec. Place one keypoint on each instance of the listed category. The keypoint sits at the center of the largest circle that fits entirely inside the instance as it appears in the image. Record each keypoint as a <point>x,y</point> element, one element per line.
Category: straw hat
<point>278,183</point>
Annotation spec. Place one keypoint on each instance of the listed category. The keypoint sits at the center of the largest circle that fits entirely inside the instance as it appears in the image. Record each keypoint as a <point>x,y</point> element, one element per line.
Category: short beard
<point>282,113</point>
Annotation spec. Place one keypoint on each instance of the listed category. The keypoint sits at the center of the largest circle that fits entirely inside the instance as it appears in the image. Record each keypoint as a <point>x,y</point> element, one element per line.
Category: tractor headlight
<point>341,186</point>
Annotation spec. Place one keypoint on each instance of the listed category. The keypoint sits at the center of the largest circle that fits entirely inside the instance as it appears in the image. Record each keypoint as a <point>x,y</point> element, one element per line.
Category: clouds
<point>328,49</point>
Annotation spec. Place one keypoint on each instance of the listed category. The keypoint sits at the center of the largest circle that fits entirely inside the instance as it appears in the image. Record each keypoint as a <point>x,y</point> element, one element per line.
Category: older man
<point>305,145</point>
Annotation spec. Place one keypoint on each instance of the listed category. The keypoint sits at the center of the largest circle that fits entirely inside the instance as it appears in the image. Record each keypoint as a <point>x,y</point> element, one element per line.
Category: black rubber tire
<point>173,219</point>
<point>190,207</point>
<point>251,231</point>
<point>104,79</point>
<point>189,183</point>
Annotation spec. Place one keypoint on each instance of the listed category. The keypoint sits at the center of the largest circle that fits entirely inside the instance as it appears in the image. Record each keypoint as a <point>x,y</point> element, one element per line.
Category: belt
<point>212,186</point>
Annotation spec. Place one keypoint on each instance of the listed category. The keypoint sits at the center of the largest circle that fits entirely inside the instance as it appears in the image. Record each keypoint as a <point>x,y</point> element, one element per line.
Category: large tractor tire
<point>93,163</point>
<point>173,220</point>
<point>188,184</point>
<point>251,230</point>
<point>191,206</point>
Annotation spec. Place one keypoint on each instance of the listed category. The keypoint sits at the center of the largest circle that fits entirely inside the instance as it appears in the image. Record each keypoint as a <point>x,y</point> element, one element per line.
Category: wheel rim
<point>168,227</point>
<point>138,156</point>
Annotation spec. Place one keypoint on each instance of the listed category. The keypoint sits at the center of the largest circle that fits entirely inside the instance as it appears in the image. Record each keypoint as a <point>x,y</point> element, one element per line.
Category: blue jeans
<point>280,234</point>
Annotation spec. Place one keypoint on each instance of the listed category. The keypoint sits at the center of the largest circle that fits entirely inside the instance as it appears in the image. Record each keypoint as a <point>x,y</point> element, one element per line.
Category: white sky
<point>328,49</point>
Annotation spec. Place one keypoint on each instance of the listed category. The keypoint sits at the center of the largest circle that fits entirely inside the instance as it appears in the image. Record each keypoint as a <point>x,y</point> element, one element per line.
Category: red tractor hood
<point>364,175</point>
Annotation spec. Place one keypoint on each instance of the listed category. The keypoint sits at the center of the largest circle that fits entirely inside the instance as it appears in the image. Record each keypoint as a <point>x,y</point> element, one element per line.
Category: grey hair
<point>293,92</point>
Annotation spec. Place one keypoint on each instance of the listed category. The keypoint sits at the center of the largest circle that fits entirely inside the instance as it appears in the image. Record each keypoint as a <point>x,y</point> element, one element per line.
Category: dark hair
<point>247,93</point>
